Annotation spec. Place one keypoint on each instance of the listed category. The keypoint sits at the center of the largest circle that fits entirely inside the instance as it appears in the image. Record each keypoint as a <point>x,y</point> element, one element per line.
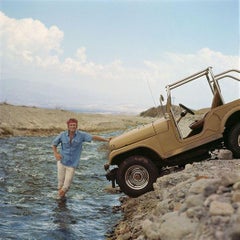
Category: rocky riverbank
<point>33,121</point>
<point>200,202</point>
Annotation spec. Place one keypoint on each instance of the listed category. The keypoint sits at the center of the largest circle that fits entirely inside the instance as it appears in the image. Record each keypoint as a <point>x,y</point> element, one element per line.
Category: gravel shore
<point>200,202</point>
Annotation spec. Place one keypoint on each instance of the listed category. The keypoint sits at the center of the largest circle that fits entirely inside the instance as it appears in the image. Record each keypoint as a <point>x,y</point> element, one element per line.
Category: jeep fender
<point>230,118</point>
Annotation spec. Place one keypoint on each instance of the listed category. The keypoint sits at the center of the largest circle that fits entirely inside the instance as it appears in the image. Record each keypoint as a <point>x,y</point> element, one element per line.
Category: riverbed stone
<point>236,196</point>
<point>195,212</point>
<point>220,208</point>
<point>151,229</point>
<point>199,185</point>
<point>175,226</point>
<point>170,226</point>
<point>230,179</point>
<point>225,154</point>
<point>211,198</point>
<point>194,200</point>
<point>210,189</point>
<point>236,185</point>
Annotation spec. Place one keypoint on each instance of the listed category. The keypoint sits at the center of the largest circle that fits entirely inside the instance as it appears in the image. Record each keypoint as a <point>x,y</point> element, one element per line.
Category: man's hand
<point>58,156</point>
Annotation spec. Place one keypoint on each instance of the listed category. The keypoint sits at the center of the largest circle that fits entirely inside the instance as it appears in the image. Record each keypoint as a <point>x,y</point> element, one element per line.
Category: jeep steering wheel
<point>187,109</point>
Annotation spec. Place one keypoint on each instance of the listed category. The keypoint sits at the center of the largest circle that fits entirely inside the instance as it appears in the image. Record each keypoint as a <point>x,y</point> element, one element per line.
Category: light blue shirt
<point>71,151</point>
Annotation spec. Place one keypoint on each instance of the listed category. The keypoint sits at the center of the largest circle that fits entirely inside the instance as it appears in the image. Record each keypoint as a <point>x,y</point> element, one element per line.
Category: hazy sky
<point>115,55</point>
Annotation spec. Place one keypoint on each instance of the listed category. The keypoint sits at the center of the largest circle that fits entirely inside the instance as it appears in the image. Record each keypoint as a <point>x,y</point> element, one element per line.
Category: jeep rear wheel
<point>136,175</point>
<point>233,140</point>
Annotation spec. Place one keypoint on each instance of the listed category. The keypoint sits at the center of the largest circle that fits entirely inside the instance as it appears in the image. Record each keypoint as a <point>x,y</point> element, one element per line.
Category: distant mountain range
<point>157,111</point>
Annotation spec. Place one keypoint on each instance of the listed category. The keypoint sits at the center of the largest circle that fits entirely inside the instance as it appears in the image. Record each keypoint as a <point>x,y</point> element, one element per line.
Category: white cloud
<point>81,55</point>
<point>31,54</point>
<point>29,39</point>
<point>175,66</point>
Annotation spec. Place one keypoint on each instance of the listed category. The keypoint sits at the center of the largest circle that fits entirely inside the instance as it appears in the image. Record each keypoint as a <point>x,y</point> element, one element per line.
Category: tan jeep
<point>142,154</point>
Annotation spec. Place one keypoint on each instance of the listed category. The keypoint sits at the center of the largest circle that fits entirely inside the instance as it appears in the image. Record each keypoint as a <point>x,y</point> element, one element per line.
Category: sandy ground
<point>30,121</point>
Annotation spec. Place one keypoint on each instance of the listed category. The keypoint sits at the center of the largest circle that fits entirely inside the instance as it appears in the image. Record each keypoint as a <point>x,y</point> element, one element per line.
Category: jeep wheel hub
<point>137,177</point>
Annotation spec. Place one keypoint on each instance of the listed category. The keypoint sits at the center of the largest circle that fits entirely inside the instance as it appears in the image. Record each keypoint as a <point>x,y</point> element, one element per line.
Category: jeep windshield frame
<point>207,72</point>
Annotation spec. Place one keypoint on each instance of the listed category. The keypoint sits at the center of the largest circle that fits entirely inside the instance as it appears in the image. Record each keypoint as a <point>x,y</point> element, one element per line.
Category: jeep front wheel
<point>136,175</point>
<point>233,140</point>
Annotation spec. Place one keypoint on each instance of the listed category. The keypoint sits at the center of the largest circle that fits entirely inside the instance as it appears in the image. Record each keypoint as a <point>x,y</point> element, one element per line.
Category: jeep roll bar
<point>223,75</point>
<point>210,77</point>
<point>188,79</point>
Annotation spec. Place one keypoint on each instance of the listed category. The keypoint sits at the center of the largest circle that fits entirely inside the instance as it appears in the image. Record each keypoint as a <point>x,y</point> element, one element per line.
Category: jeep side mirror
<point>161,100</point>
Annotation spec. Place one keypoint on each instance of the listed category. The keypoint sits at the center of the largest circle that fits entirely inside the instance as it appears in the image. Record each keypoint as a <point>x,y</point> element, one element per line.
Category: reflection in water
<point>63,219</point>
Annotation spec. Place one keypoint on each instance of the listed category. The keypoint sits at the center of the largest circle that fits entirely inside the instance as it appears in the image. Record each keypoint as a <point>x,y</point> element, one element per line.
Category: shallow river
<point>28,205</point>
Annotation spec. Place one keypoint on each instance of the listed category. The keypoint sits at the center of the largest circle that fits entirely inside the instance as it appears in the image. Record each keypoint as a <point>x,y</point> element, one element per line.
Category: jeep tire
<point>233,140</point>
<point>136,175</point>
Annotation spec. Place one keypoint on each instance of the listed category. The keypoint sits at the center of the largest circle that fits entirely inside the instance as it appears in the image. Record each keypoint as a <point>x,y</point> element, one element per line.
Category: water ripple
<point>28,205</point>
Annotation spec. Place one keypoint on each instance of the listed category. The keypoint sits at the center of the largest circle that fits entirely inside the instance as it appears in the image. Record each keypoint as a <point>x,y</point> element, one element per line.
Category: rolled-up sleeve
<point>87,137</point>
<point>56,140</point>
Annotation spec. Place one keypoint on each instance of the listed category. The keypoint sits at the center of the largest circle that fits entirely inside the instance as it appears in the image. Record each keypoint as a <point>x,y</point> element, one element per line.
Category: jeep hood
<point>139,134</point>
<point>132,136</point>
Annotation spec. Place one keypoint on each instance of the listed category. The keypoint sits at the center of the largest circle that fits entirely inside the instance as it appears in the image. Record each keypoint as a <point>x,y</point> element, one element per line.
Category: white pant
<point>65,176</point>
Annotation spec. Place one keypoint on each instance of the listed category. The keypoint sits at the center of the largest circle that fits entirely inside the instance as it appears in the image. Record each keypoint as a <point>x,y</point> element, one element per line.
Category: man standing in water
<point>68,159</point>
